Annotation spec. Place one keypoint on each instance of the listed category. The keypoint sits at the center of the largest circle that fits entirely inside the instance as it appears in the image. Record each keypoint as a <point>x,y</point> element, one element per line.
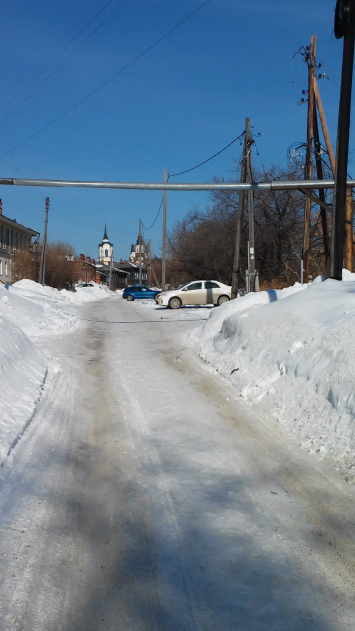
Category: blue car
<point>139,291</point>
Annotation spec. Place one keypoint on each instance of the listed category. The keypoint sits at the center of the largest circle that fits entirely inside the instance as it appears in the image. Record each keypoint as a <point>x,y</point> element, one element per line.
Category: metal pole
<point>42,271</point>
<point>163,253</point>
<point>344,26</point>
<point>236,264</point>
<point>276,185</point>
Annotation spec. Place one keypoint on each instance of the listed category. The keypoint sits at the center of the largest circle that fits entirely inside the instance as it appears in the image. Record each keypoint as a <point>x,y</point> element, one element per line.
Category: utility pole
<point>110,275</point>
<point>140,251</point>
<point>308,165</point>
<point>236,263</point>
<point>251,286</point>
<point>150,261</point>
<point>163,254</point>
<point>344,26</point>
<point>348,245</point>
<point>42,271</point>
<point>319,168</point>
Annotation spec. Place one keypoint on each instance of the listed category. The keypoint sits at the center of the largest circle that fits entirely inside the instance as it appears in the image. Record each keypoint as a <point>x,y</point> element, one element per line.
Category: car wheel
<point>174,303</point>
<point>130,297</point>
<point>221,300</point>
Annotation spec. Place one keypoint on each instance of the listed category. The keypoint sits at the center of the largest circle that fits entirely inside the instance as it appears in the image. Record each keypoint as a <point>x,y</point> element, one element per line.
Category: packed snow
<point>291,353</point>
<point>27,312</point>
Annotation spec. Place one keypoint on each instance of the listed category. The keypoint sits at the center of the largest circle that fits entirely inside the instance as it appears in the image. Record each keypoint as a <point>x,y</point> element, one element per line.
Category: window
<point>210,285</point>
<point>194,286</point>
<point>106,252</point>
<point>6,266</point>
<point>0,268</point>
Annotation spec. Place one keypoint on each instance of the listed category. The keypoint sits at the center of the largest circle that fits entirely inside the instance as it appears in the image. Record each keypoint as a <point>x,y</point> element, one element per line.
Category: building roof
<point>12,223</point>
<point>128,265</point>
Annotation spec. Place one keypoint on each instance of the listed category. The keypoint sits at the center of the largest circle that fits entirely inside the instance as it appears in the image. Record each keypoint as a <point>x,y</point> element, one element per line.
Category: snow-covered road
<point>145,496</point>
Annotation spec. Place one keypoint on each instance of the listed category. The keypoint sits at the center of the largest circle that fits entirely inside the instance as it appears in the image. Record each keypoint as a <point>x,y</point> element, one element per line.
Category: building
<point>138,252</point>
<point>133,272</point>
<point>14,238</point>
<point>105,250</point>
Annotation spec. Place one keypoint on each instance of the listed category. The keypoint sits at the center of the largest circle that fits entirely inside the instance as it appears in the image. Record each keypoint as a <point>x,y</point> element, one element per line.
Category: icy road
<point>144,497</point>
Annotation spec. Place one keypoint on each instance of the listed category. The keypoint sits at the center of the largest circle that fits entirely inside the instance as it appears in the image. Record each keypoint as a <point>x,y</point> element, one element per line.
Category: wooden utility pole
<point>251,244</point>
<point>150,261</point>
<point>236,263</point>
<point>344,26</point>
<point>163,254</point>
<point>308,165</point>
<point>110,274</point>
<point>42,271</point>
<point>348,246</point>
<point>319,168</point>
<point>140,251</point>
<point>323,122</point>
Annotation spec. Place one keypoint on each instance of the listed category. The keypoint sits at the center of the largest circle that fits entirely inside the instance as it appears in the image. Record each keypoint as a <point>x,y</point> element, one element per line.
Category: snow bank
<point>27,311</point>
<point>292,352</point>
<point>22,373</point>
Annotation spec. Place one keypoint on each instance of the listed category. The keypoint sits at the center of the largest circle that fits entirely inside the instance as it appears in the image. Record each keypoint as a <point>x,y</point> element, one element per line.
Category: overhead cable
<point>208,160</point>
<point>22,89</point>
<point>156,216</point>
<point>104,83</point>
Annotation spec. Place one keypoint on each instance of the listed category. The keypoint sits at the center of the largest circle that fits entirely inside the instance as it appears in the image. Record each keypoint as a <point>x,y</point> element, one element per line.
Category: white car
<point>201,292</point>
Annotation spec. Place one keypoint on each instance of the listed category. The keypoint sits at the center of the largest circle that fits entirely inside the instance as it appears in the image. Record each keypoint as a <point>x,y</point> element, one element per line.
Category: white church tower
<point>105,250</point>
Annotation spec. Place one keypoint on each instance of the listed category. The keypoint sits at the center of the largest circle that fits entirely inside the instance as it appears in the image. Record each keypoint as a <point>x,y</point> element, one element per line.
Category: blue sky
<point>173,108</point>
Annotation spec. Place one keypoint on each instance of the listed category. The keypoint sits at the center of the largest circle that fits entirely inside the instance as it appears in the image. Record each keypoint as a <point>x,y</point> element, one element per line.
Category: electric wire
<point>22,89</point>
<point>64,63</point>
<point>156,216</point>
<point>208,160</point>
<point>116,74</point>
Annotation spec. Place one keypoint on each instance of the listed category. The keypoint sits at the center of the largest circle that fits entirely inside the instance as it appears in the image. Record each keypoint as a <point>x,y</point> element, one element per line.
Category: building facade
<point>14,238</point>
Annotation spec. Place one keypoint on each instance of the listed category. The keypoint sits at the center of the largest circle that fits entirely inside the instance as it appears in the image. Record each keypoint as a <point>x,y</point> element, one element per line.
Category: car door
<point>193,294</point>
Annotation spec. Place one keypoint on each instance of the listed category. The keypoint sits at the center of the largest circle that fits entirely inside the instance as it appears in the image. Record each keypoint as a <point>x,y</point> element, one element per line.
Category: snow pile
<point>292,352</point>
<point>27,311</point>
<point>22,373</point>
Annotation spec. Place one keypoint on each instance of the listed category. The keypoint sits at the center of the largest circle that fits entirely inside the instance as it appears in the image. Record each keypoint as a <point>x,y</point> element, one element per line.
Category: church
<point>123,273</point>
<point>105,250</point>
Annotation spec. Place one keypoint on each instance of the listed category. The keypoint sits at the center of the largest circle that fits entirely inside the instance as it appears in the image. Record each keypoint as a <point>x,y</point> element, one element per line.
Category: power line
<point>22,89</point>
<point>63,63</point>
<point>156,216</point>
<point>147,50</point>
<point>211,158</point>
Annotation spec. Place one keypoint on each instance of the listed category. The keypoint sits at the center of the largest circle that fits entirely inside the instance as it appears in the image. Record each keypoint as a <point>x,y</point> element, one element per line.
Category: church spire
<point>105,234</point>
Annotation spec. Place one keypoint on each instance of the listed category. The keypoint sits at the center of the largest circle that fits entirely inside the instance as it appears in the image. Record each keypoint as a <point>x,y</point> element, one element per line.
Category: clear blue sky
<point>171,109</point>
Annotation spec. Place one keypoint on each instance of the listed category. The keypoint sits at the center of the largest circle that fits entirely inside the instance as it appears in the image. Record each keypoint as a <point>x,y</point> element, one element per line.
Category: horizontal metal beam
<point>276,185</point>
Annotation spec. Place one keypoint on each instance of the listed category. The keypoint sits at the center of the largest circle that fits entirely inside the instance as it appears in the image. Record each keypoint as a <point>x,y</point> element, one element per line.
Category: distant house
<point>14,238</point>
<point>133,272</point>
